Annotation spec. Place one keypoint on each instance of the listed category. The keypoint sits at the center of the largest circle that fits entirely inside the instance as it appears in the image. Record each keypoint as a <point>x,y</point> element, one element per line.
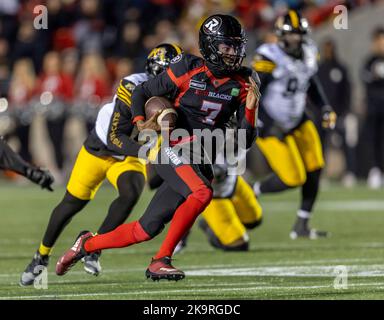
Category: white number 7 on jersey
<point>215,110</point>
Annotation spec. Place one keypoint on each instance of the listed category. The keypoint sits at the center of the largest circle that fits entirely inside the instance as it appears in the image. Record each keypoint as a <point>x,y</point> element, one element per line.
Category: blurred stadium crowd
<point>68,70</point>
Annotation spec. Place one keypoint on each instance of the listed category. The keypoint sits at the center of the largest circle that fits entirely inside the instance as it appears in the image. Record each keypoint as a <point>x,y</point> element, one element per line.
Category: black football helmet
<point>160,57</point>
<point>291,30</point>
<point>222,29</point>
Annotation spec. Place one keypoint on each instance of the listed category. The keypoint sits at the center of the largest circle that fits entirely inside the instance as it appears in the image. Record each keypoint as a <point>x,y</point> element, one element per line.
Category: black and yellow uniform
<point>287,138</point>
<point>233,209</point>
<point>108,152</point>
<point>109,149</point>
<point>10,160</point>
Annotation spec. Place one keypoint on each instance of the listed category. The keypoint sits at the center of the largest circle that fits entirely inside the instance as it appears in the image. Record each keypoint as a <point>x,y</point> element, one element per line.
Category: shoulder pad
<point>183,63</point>
<point>244,72</point>
<point>269,51</point>
<point>311,45</point>
<point>128,84</point>
<point>262,63</point>
<point>136,78</point>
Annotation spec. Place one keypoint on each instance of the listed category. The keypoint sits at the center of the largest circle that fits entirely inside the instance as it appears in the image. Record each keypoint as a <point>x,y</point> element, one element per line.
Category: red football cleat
<point>163,269</point>
<point>73,255</point>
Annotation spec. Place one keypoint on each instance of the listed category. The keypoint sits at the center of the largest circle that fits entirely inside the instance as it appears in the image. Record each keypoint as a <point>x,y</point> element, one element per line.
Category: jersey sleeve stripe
<point>123,93</point>
<point>179,81</point>
<point>264,66</point>
<point>173,77</point>
<point>124,98</point>
<point>124,89</point>
<point>127,102</point>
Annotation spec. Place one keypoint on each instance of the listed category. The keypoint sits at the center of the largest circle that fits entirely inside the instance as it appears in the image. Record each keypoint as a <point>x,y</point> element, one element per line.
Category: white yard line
<point>278,268</point>
<point>344,206</point>
<point>376,270</point>
<point>187,290</point>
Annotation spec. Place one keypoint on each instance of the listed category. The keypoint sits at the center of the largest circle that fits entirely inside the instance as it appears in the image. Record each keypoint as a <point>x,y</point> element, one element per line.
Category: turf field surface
<point>275,268</point>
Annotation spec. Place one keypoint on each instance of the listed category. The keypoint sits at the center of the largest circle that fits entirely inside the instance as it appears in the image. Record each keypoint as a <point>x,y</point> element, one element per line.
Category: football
<point>167,118</point>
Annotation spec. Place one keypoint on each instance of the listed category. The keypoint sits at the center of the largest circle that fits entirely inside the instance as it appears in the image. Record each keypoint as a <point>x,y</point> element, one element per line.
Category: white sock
<point>256,188</point>
<point>303,214</point>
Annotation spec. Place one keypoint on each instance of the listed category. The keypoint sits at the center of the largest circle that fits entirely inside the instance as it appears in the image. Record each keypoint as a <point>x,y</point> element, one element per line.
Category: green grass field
<point>275,268</point>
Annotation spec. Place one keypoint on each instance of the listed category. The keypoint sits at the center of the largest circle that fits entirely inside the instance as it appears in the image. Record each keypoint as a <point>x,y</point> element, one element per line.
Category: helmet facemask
<point>292,43</point>
<point>292,39</point>
<point>227,53</point>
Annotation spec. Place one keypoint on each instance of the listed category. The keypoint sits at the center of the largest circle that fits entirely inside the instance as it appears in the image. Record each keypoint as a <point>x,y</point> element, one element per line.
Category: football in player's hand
<point>167,114</point>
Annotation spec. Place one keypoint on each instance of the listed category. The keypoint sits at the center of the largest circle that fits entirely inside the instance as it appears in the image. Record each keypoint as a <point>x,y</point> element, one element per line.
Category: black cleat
<point>34,269</point>
<point>302,230</point>
<point>308,233</point>
<point>162,269</point>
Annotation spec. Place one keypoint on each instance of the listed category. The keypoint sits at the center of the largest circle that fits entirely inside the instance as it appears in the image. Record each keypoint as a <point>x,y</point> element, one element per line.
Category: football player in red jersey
<point>206,93</point>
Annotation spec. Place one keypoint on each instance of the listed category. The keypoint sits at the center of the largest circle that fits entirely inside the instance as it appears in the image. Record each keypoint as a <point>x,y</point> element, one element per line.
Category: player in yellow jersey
<point>288,139</point>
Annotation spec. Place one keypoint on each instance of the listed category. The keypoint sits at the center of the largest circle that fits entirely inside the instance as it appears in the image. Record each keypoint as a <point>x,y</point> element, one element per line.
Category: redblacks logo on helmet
<point>212,25</point>
<point>226,30</point>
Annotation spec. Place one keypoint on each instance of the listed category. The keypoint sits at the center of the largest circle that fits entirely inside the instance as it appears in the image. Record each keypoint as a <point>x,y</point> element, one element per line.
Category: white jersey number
<point>214,109</point>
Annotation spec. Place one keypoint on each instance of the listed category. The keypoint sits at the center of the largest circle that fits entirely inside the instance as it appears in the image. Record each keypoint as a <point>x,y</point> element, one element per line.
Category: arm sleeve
<point>316,92</point>
<point>250,129</point>
<point>160,85</point>
<point>9,160</point>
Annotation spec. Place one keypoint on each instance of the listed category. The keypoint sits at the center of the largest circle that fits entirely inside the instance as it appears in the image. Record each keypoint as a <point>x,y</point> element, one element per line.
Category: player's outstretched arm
<point>10,160</point>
